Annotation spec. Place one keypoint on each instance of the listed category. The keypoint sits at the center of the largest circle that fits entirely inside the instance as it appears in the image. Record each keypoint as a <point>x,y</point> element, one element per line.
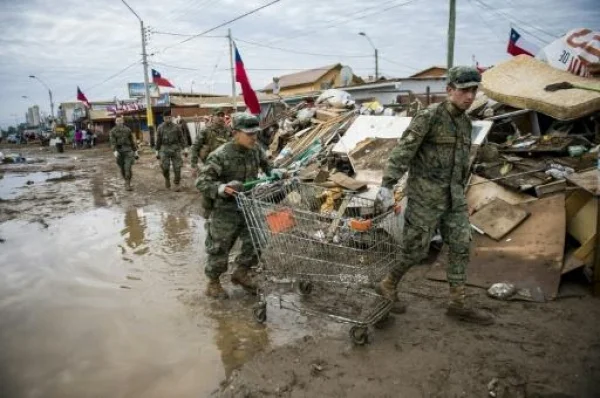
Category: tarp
<point>520,83</point>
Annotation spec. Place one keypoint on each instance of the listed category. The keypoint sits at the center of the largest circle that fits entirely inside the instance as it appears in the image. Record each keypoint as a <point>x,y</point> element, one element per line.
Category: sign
<point>136,90</point>
<point>573,52</point>
<point>162,100</point>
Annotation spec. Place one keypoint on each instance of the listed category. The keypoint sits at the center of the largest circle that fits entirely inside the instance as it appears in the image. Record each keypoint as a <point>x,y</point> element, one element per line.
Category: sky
<point>96,44</point>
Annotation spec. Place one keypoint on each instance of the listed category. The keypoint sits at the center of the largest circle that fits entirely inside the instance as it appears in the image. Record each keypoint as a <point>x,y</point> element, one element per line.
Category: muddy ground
<point>100,295</point>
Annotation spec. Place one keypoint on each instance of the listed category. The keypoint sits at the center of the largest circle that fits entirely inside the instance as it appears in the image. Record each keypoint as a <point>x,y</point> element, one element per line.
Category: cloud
<point>83,43</point>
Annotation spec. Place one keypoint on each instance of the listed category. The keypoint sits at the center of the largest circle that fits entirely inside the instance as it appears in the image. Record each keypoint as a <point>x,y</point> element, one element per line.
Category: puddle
<point>106,303</point>
<point>12,183</point>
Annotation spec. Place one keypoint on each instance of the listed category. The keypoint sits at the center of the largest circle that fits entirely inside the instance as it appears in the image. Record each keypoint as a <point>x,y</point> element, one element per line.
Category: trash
<point>502,291</point>
<point>576,150</point>
<point>280,221</point>
<point>498,218</point>
<point>336,99</point>
<point>573,51</point>
<point>492,386</point>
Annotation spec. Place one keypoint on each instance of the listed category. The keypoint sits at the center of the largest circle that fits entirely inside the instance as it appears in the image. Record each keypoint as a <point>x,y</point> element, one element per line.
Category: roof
<point>304,77</point>
<point>432,71</point>
<point>96,115</point>
<point>225,100</point>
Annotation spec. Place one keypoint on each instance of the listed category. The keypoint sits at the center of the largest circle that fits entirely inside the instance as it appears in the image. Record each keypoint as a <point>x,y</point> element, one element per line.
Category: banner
<point>136,90</point>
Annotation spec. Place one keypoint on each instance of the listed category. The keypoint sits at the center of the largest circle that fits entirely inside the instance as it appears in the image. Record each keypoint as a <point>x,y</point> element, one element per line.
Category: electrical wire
<point>114,75</point>
<point>255,10</point>
<point>398,63</point>
<point>483,21</point>
<point>301,52</point>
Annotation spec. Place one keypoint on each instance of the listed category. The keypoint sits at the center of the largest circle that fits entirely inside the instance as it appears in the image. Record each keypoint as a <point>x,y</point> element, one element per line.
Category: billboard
<point>136,90</point>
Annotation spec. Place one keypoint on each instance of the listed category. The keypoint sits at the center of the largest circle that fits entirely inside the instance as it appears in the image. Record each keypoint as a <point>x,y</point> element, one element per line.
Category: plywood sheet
<point>531,256</point>
<point>481,194</point>
<point>498,218</point>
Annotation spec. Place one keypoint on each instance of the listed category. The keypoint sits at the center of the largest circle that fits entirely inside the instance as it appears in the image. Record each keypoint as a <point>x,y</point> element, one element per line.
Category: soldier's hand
<point>185,152</point>
<point>157,155</point>
<point>384,200</point>
<point>116,154</point>
<point>136,155</point>
<point>230,189</point>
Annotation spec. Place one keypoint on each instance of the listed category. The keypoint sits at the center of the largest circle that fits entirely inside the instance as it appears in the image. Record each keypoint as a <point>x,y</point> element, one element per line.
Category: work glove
<point>157,155</point>
<point>384,200</point>
<point>279,174</point>
<point>136,155</point>
<point>116,153</point>
<point>237,186</point>
<point>185,152</point>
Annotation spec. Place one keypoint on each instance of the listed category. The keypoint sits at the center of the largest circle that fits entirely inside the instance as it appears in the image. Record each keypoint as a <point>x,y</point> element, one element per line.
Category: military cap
<point>464,77</point>
<point>245,122</point>
<point>218,111</point>
<point>167,113</point>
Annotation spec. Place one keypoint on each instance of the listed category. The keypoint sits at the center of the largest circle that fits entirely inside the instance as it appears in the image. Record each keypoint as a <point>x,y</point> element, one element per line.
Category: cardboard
<point>498,218</point>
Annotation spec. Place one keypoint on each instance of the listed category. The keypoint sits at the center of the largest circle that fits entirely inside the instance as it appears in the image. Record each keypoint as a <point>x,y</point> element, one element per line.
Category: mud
<point>101,295</point>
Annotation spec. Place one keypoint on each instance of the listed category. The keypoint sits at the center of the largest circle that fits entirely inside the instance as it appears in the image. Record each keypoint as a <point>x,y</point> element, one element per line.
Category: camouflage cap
<point>218,111</point>
<point>245,122</point>
<point>464,77</point>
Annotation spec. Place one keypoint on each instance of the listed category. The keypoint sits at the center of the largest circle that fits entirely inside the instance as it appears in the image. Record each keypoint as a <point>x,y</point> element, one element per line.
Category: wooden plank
<point>325,115</point>
<point>585,252</point>
<point>347,182</point>
<point>553,187</point>
<point>481,194</point>
<point>575,201</point>
<point>571,262</point>
<point>588,180</point>
<point>498,218</point>
<point>582,226</point>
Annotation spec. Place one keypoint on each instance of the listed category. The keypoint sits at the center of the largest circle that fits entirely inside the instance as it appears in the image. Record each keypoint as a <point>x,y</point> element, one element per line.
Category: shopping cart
<point>312,236</point>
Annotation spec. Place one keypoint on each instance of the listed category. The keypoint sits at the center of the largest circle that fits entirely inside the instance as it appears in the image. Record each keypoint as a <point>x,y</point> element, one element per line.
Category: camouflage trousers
<point>168,156</point>
<point>223,228</point>
<point>420,222</point>
<point>125,160</point>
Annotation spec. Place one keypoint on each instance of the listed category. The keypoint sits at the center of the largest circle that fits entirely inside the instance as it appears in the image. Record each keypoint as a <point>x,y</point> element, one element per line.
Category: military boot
<point>167,183</point>
<point>215,290</point>
<point>128,185</point>
<point>458,308</point>
<point>243,277</point>
<point>177,187</point>
<point>387,289</point>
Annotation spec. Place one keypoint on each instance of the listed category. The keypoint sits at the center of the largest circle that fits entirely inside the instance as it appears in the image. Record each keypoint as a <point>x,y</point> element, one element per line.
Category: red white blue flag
<point>517,45</point>
<point>159,80</point>
<point>81,97</point>
<point>250,98</point>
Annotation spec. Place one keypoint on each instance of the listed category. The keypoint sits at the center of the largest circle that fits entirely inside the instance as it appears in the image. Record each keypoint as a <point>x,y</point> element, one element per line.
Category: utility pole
<point>451,30</point>
<point>376,54</point>
<point>233,94</point>
<point>49,93</point>
<point>149,114</point>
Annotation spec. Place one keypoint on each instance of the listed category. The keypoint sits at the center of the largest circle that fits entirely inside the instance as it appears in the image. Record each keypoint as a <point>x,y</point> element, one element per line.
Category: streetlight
<point>376,54</point>
<point>149,115</point>
<point>192,87</point>
<point>49,93</point>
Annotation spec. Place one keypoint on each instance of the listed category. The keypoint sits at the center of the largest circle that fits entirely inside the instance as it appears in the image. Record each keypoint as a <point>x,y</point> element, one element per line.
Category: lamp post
<point>49,93</point>
<point>376,54</point>
<point>149,115</point>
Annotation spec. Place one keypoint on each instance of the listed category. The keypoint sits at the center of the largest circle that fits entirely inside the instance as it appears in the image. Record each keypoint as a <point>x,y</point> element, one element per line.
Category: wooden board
<point>588,180</point>
<point>482,194</point>
<point>498,218</point>
<point>531,256</point>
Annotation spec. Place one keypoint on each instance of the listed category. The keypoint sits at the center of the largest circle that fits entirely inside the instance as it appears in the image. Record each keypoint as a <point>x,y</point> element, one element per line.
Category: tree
<point>12,130</point>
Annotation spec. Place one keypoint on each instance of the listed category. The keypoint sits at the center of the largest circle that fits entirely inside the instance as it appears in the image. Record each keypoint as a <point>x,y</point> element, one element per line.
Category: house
<point>311,80</point>
<point>431,72</point>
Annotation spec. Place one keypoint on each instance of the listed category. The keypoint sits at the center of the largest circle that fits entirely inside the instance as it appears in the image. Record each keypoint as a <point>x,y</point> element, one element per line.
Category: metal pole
<point>51,104</point>
<point>451,30</point>
<point>376,65</point>
<point>149,114</point>
<point>233,95</point>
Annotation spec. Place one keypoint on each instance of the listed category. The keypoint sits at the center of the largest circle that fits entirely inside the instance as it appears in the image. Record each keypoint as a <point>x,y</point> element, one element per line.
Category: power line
<point>302,52</point>
<point>114,75</point>
<point>398,63</point>
<point>480,16</point>
<point>221,25</point>
<point>158,32</point>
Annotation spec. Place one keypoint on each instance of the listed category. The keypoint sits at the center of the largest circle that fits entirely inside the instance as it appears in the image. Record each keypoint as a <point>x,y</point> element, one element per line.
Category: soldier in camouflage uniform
<point>221,177</point>
<point>171,140</point>
<point>435,151</point>
<point>124,149</point>
<point>210,138</point>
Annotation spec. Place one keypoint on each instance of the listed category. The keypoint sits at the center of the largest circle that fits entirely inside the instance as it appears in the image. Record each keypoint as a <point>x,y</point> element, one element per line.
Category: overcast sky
<point>68,43</point>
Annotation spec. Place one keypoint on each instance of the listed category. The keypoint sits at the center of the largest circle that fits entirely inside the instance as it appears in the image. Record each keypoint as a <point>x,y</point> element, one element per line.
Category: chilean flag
<point>517,45</point>
<point>159,80</point>
<point>248,93</point>
<point>81,97</point>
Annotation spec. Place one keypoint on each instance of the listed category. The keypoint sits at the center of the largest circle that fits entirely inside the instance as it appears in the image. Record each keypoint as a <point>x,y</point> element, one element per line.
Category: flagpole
<point>451,32</point>
<point>233,95</point>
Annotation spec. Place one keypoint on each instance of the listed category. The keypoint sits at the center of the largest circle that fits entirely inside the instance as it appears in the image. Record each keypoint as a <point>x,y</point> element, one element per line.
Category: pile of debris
<point>534,185</point>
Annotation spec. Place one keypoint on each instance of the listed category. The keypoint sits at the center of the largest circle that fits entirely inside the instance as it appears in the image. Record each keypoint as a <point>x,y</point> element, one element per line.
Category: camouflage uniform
<point>435,151</point>
<point>435,148</point>
<point>209,139</point>
<point>170,139</point>
<point>121,140</point>
<point>230,162</point>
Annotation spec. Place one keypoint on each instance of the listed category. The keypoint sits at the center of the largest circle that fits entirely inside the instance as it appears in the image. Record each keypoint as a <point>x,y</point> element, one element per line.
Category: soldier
<point>221,177</point>
<point>171,140</point>
<point>435,151</point>
<point>124,148</point>
<point>210,138</point>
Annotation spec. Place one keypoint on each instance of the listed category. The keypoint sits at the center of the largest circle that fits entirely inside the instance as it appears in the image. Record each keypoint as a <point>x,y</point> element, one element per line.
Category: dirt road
<point>100,295</point>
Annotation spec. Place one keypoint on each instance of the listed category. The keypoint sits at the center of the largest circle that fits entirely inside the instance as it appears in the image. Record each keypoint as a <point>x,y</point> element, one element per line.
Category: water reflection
<point>135,225</point>
<point>177,232</point>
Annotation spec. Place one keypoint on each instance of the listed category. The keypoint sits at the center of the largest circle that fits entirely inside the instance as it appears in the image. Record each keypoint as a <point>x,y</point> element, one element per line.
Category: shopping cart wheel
<point>260,312</point>
<point>359,335</point>
<point>305,287</point>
